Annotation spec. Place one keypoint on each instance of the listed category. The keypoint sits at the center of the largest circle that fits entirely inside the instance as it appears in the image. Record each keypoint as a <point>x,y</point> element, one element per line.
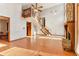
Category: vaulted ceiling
<point>45,5</point>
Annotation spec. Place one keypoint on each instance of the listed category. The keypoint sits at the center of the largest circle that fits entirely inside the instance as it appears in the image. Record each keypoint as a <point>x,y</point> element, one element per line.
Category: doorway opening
<point>4,28</point>
<point>28,28</point>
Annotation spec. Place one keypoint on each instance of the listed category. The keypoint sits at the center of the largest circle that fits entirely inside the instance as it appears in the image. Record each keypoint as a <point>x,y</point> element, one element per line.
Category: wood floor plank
<point>45,46</point>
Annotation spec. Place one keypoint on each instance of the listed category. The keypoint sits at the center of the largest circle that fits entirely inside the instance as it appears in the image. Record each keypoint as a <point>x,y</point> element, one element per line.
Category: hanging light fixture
<point>37,8</point>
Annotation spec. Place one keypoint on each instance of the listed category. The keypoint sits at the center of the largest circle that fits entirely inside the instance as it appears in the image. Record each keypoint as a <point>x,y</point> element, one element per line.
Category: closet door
<point>70,16</point>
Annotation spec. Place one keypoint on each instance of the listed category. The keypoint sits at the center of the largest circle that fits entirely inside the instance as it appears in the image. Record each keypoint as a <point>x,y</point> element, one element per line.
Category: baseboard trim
<point>22,38</point>
<point>76,53</point>
<point>19,39</point>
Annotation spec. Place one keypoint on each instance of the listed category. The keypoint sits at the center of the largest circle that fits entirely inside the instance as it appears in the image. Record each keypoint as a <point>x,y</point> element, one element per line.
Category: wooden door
<point>28,28</point>
<point>71,30</point>
<point>70,13</point>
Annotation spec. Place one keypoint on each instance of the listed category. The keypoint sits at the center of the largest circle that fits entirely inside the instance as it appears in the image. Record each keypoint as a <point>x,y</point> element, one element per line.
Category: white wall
<point>17,24</point>
<point>55,17</point>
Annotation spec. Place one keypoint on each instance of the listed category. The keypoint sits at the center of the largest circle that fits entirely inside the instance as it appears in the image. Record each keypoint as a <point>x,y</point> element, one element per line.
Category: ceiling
<point>45,5</point>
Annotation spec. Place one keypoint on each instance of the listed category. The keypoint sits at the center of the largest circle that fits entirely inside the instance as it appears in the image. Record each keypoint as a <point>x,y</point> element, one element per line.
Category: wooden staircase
<point>43,29</point>
<point>37,20</point>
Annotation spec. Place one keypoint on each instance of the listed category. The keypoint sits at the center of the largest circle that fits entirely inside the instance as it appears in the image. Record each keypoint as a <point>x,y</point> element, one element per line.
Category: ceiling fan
<point>37,8</point>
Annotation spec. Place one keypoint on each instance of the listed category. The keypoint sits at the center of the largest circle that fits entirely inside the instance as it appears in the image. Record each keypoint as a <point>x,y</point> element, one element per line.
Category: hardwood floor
<point>44,46</point>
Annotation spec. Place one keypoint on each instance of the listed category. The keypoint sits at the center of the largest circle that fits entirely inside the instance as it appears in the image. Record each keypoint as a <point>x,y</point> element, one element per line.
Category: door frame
<point>9,29</point>
<point>8,19</point>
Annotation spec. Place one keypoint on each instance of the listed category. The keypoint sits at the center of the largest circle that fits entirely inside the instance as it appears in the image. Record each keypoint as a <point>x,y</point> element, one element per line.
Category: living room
<point>46,31</point>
